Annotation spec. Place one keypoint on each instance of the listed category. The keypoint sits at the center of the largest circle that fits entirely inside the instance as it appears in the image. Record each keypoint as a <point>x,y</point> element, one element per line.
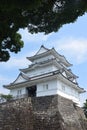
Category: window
<point>19,92</point>
<point>63,87</point>
<point>45,87</point>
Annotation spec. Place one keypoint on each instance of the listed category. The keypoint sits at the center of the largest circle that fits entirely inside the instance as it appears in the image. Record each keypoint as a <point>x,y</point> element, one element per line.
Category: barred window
<point>63,87</point>
<point>45,87</point>
<point>19,92</point>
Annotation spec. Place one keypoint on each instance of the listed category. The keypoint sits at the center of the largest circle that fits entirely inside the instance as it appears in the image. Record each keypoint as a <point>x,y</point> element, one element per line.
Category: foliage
<point>38,16</point>
<point>6,97</point>
<point>85,108</point>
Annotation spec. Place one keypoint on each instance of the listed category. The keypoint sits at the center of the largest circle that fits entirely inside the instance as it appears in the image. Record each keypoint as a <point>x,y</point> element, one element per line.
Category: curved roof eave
<point>61,57</point>
<point>14,82</point>
<point>45,49</point>
<point>81,90</point>
<point>46,76</point>
<point>54,53</point>
<point>32,58</point>
<point>38,53</point>
<point>48,51</point>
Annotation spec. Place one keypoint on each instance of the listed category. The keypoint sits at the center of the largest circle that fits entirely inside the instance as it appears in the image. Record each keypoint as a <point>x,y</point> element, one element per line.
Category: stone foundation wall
<point>41,113</point>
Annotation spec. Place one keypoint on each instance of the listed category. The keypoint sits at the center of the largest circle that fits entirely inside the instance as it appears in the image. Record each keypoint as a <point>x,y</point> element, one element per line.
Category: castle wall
<point>41,113</point>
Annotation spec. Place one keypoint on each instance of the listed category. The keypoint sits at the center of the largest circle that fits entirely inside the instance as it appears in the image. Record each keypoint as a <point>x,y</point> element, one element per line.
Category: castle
<point>46,96</point>
<point>48,74</point>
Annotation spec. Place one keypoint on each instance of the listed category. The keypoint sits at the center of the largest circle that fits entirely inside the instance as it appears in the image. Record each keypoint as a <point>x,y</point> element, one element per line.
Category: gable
<point>42,50</point>
<point>64,74</point>
<point>20,79</point>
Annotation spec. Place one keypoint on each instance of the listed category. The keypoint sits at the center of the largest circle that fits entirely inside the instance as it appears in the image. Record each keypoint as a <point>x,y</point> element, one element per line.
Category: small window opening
<point>19,92</point>
<point>63,87</point>
<point>45,87</point>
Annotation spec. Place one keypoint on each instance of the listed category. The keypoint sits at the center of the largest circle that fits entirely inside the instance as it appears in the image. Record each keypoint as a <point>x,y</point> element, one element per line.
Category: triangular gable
<point>20,79</point>
<point>64,74</point>
<point>42,50</point>
<point>74,80</point>
<point>71,75</point>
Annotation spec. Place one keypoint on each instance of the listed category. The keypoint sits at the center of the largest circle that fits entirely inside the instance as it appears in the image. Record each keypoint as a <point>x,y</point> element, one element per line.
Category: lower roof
<point>45,77</point>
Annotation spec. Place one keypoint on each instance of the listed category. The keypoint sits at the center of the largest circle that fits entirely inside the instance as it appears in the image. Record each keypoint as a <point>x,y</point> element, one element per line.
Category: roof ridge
<point>42,46</point>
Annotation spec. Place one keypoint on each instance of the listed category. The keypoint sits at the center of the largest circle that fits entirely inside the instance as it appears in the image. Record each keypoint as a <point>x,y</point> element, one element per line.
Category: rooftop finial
<point>42,45</point>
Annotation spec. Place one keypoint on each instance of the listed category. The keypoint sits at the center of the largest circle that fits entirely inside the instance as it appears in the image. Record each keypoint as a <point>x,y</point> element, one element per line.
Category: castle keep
<point>45,96</point>
<point>48,74</point>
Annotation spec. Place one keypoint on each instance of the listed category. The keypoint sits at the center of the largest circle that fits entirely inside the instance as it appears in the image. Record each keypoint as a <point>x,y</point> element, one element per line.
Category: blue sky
<point>70,41</point>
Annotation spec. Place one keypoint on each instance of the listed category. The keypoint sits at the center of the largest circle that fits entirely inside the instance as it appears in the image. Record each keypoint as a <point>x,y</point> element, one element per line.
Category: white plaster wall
<point>39,71</point>
<point>57,87</point>
<point>43,58</point>
<point>68,92</point>
<point>74,99</point>
<point>52,88</point>
<point>14,92</point>
<point>54,68</point>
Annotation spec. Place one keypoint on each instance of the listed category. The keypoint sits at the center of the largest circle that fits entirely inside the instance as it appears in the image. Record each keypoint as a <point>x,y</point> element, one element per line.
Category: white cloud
<point>75,49</point>
<point>15,62</point>
<point>18,61</point>
<point>28,37</point>
<point>4,91</point>
<point>72,48</point>
<point>4,80</point>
